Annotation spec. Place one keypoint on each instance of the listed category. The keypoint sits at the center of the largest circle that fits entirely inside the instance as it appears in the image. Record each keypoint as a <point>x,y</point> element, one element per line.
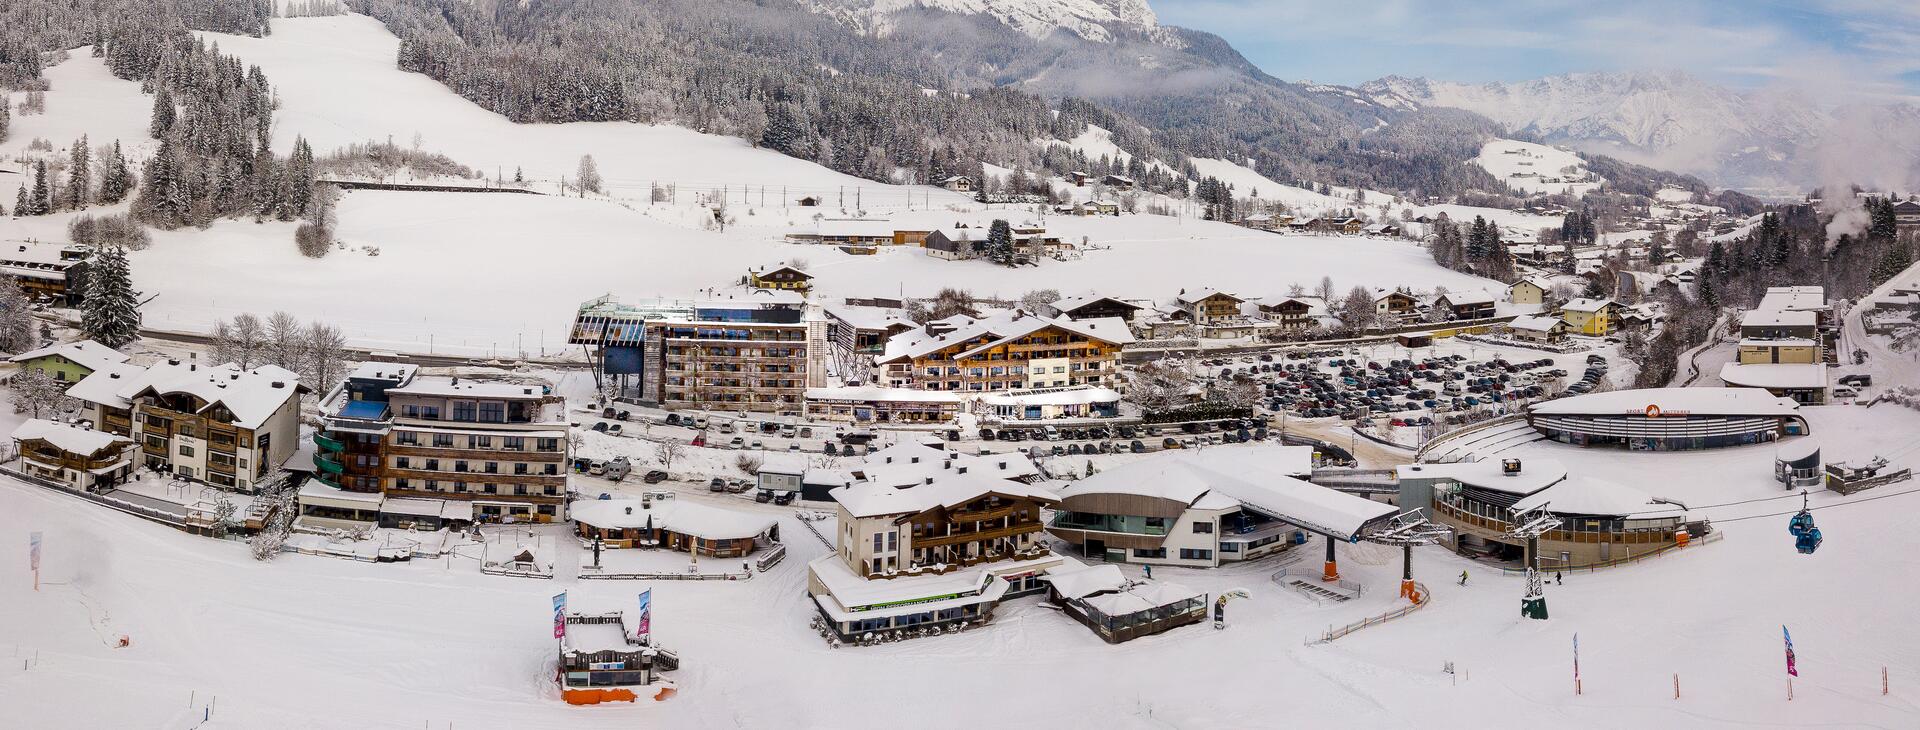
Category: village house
<point>1295,313</point>
<point>1542,329</point>
<point>1465,304</point>
<point>676,525</point>
<point>810,201</point>
<point>49,272</point>
<point>780,277</point>
<point>1381,230</point>
<point>1117,182</point>
<point>1593,317</point>
<point>954,244</point>
<point>1079,179</point>
<point>1906,215</point>
<point>1207,307</point>
<point>856,333</point>
<point>1117,609</point>
<point>1094,306</point>
<point>847,232</point>
<point>1261,221</point>
<point>69,362</point>
<point>221,425</point>
<point>1008,350</point>
<point>1040,404</point>
<point>75,457</point>
<point>938,552</point>
<point>602,659</point>
<point>1529,290</point>
<point>1393,304</point>
<point>958,184</point>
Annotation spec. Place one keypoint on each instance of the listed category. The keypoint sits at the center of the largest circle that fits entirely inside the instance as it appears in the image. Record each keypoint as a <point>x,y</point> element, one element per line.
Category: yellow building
<point>1595,317</point>
<point>1528,291</point>
<point>1792,350</point>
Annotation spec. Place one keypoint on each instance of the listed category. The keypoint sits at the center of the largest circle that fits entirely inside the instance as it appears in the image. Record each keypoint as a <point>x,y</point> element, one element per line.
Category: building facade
<point>1007,351</point>
<point>221,425</point>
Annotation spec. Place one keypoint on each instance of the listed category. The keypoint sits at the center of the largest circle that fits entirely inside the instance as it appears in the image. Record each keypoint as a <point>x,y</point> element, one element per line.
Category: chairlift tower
<point>1408,529</point>
<point>1529,526</point>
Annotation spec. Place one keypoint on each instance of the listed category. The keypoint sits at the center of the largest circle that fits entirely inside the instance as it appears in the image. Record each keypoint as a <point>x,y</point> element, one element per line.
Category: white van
<point>1053,434</point>
<point>725,427</point>
<point>699,422</point>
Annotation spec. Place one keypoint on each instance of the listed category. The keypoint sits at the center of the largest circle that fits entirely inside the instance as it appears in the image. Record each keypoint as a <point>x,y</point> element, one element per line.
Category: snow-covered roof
<point>1695,401</point>
<point>1469,296</point>
<point>855,228</point>
<point>1000,327</point>
<point>1086,580</point>
<point>784,463</point>
<point>1139,598</point>
<point>879,394</point>
<point>1202,295</point>
<point>905,464</point>
<point>1534,474</point>
<point>68,438</point>
<point>1794,298</point>
<point>1778,318</point>
<point>677,515</point>
<point>394,372</point>
<point>1060,397</point>
<point>1584,496</point>
<point>251,395</point>
<point>89,354</point>
<point>1775,375</point>
<point>1776,342</point>
<point>1587,305</point>
<point>449,386</point>
<point>870,318</point>
<point>1068,304</point>
<point>1796,449</point>
<point>873,499</point>
<point>1536,323</point>
<point>1262,478</point>
<point>1538,282</point>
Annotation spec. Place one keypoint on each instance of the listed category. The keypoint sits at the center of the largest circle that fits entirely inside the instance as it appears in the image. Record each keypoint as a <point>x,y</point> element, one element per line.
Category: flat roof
<point>1261,478</point>
<point>1778,318</point>
<point>1704,401</point>
<point>1797,376</point>
<point>1534,474</point>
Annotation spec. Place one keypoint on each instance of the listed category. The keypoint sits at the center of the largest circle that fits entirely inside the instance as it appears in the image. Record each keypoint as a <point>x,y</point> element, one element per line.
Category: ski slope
<point>322,643</point>
<point>337,85</point>
<point>85,99</point>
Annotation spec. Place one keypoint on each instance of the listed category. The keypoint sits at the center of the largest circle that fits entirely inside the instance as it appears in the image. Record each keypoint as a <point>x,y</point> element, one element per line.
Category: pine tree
<point>110,314</point>
<point>163,200</point>
<point>21,204</point>
<point>80,175</point>
<point>6,120</point>
<point>1478,245</point>
<point>1895,260</point>
<point>163,114</point>
<point>41,201</point>
<point>1000,242</point>
<point>116,179</point>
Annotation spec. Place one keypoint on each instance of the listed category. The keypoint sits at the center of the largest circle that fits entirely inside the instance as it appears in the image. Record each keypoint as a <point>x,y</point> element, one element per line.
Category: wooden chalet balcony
<point>472,495</point>
<point>957,538</point>
<point>991,513</point>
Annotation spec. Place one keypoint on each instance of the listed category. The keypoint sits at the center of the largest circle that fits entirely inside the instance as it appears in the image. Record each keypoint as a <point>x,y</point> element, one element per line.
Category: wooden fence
<point>1710,537</point>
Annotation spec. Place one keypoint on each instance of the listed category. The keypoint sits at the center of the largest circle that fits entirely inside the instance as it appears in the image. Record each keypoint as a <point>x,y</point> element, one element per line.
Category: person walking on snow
<point>1556,577</point>
<point>1463,577</point>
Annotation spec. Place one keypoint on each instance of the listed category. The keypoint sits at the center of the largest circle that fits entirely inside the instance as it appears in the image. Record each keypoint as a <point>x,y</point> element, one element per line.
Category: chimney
<point>279,384</point>
<point>629,509</point>
<point>929,480</point>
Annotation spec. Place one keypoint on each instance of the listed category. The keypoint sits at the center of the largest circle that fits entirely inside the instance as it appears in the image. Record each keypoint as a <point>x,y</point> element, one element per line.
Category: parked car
<point>717,485</point>
<point>613,429</point>
<point>1170,443</point>
<point>597,468</point>
<point>619,468</point>
<point>654,477</point>
<point>600,426</point>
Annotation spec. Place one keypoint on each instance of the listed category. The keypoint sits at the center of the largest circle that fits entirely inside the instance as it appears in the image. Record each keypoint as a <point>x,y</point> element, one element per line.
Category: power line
<point>1821,507</point>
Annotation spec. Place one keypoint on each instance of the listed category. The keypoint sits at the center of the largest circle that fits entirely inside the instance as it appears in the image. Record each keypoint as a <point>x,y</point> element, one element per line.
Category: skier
<point>1556,577</point>
<point>1463,577</point>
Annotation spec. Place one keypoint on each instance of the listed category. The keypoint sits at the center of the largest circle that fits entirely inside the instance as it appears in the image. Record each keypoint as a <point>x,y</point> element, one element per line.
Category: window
<point>879,542</point>
<point>516,443</point>
<point>548,444</point>
<point>186,450</point>
<point>1202,528</point>
<point>1150,553</point>
<point>493,412</point>
<point>433,465</point>
<point>893,541</point>
<point>402,462</point>
<point>1195,554</point>
<point>520,468</point>
<point>409,438</point>
<point>443,440</point>
<point>1229,547</point>
<point>483,442</point>
<point>463,410</point>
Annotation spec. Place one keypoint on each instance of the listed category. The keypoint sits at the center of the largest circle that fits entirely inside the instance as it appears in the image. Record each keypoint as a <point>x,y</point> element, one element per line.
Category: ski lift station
<point>1669,419</point>
<point>1600,521</point>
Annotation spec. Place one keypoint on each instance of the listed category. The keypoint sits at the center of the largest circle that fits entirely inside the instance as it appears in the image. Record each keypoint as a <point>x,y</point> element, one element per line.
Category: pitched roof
<point>89,354</point>
<point>872,499</point>
<point>1537,323</point>
<point>68,438</point>
<point>679,515</point>
<point>999,327</point>
<point>251,395</point>
<point>1203,295</point>
<point>1587,305</point>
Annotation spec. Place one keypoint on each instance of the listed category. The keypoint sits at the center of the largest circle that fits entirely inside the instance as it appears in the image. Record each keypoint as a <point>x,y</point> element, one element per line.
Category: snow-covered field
<point>1527,167</point>
<point>496,272</point>
<point>85,98</point>
<point>319,643</point>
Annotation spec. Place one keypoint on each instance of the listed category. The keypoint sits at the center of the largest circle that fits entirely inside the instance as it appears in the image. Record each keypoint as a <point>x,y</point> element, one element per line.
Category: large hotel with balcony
<point>1009,350</point>
<point>221,425</point>
<point>409,449</point>
<point>757,353</point>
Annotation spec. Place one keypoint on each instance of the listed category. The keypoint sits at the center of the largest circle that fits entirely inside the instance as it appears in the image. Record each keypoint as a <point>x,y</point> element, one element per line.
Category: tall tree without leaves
<point>325,355</point>
<point>110,313</point>
<point>17,325</point>
<point>587,175</point>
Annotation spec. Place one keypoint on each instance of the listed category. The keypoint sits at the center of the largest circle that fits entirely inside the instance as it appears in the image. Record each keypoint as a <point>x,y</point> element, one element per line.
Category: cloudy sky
<point>1832,47</point>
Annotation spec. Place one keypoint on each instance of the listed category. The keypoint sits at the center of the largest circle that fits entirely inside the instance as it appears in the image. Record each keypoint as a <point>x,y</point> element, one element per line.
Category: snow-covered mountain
<point>1764,140</point>
<point>1093,20</point>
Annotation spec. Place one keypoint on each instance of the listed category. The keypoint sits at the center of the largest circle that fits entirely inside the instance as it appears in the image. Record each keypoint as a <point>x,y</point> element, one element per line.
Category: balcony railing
<point>327,464</point>
<point>328,444</point>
